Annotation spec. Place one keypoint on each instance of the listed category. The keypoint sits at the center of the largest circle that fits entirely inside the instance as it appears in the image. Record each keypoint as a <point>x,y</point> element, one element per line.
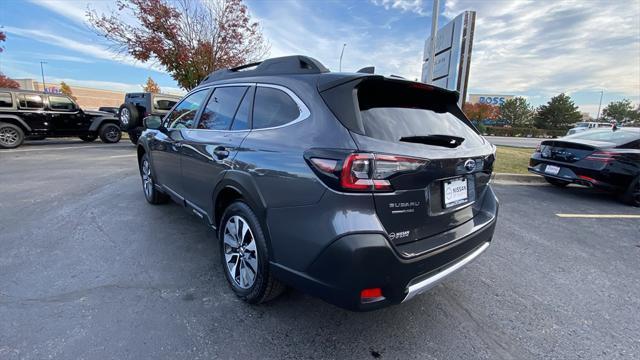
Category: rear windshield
<point>393,111</point>
<point>618,137</point>
<point>164,104</point>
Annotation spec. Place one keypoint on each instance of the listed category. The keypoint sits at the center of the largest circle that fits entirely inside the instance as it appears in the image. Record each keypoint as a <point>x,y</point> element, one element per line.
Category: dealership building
<point>491,99</point>
<point>87,98</point>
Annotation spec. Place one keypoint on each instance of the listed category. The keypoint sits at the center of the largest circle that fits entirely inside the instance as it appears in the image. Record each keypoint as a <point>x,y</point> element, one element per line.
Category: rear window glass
<point>29,101</point>
<point>393,111</point>
<point>164,104</point>
<point>5,100</point>
<point>273,107</point>
<point>618,137</point>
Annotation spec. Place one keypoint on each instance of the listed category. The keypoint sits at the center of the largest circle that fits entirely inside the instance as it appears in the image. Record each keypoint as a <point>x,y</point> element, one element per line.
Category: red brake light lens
<point>356,172</point>
<point>604,156</point>
<point>371,172</point>
<point>325,165</point>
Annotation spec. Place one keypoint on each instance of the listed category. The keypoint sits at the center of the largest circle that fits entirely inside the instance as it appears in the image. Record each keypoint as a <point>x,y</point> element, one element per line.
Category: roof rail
<point>296,64</point>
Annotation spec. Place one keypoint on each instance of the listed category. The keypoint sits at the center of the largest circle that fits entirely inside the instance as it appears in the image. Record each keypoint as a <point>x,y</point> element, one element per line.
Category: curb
<point>518,178</point>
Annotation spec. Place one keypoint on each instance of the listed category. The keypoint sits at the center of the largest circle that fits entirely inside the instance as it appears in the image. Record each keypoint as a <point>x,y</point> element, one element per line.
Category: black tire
<point>632,195</point>
<point>110,133</point>
<point>153,195</point>
<point>556,182</point>
<point>11,136</point>
<point>88,138</point>
<point>134,136</point>
<point>243,255</point>
<point>129,117</point>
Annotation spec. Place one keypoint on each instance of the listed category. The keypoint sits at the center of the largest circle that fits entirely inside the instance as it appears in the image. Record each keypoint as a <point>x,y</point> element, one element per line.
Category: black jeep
<point>39,115</point>
<point>139,105</point>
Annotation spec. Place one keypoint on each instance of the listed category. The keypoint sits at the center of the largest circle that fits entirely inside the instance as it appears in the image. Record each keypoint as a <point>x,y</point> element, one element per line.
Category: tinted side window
<point>184,114</point>
<point>30,101</point>
<point>273,107</point>
<point>61,103</point>
<point>221,108</point>
<point>5,100</point>
<point>241,120</point>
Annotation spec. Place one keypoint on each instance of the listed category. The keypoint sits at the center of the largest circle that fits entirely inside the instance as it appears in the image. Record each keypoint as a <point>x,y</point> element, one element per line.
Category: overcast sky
<point>535,49</point>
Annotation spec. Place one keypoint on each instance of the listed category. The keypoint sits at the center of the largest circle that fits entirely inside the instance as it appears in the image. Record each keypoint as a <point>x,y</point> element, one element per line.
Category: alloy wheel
<point>112,134</point>
<point>9,136</point>
<point>240,252</point>
<point>147,182</point>
<point>124,116</point>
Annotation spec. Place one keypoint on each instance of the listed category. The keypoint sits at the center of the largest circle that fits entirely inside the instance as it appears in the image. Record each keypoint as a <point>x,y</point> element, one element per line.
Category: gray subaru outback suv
<point>359,189</point>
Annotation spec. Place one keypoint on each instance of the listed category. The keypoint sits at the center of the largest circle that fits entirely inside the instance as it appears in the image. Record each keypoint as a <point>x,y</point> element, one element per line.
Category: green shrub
<point>523,132</point>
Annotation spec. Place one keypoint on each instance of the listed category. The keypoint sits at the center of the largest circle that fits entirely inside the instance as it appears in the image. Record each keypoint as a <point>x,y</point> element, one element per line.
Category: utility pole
<point>600,105</point>
<point>42,72</point>
<point>432,42</point>
<point>342,53</point>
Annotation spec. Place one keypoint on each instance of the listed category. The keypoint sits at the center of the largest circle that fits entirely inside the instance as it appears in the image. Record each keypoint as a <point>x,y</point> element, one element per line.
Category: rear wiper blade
<point>449,141</point>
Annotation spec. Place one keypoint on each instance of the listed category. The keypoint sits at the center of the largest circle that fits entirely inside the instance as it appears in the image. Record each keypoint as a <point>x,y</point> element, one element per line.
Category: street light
<point>42,72</point>
<point>600,105</point>
<point>432,41</point>
<point>342,53</point>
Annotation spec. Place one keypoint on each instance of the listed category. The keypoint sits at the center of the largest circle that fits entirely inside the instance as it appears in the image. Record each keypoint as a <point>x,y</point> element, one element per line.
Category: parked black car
<point>360,189</point>
<point>139,105</point>
<point>605,159</point>
<point>39,115</point>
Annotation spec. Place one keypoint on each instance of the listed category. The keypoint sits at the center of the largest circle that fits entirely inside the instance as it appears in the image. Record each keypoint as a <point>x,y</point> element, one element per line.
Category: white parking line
<point>122,156</point>
<point>48,148</point>
<point>599,216</point>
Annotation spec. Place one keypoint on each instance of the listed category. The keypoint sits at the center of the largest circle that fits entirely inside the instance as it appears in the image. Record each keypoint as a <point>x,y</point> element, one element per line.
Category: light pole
<point>600,105</point>
<point>432,42</point>
<point>42,72</point>
<point>342,53</point>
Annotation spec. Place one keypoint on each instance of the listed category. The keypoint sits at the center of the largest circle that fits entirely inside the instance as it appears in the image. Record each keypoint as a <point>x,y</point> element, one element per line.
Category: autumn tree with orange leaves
<point>6,82</point>
<point>151,86</point>
<point>189,38</point>
<point>479,112</point>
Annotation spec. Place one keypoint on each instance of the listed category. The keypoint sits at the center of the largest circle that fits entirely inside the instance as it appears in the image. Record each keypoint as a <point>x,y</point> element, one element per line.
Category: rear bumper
<point>361,261</point>
<point>572,174</point>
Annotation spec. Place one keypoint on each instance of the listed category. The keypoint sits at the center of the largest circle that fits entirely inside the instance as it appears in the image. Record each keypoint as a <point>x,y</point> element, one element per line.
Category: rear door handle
<point>221,152</point>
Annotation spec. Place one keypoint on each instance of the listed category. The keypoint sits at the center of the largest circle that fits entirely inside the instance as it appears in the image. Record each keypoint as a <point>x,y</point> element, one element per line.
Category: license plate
<point>552,170</point>
<point>455,192</point>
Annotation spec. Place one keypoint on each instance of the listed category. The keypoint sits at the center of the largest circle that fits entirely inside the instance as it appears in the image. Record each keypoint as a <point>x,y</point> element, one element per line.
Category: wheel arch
<point>238,185</point>
<point>140,152</point>
<point>99,121</point>
<point>16,120</point>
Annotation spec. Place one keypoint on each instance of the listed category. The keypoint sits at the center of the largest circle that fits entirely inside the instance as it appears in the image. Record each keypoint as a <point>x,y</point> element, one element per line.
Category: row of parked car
<point>36,115</point>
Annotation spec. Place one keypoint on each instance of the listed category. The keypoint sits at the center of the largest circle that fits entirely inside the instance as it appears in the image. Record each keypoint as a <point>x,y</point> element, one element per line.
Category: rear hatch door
<point>414,120</point>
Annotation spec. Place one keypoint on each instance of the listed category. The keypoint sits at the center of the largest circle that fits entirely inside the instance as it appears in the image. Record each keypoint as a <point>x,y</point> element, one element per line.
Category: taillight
<point>356,172</point>
<point>603,156</point>
<point>371,172</point>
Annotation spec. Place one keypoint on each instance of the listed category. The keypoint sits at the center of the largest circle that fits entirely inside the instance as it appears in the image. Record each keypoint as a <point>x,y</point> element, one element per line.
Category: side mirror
<point>152,122</point>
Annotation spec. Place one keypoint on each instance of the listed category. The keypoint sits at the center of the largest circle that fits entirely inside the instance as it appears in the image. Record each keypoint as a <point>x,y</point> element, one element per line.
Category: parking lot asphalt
<point>89,270</point>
